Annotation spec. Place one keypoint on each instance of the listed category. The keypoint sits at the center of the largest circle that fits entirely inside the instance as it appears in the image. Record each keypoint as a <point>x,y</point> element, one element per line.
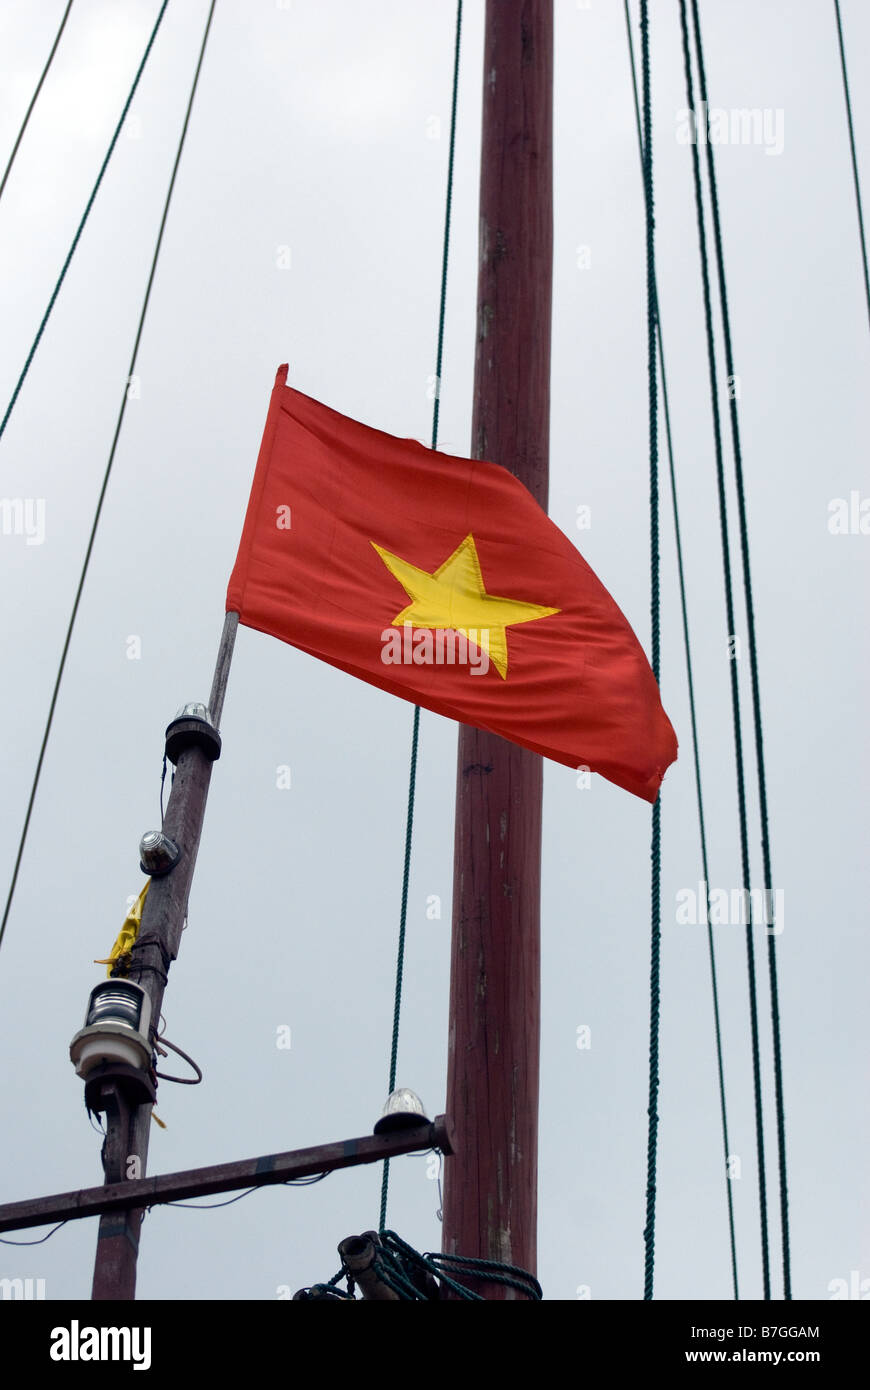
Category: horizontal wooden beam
<point>267,1170</point>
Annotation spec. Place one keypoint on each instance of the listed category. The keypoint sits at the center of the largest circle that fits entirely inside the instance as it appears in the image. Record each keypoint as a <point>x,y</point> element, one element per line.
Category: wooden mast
<point>490,1200</point>
<point>128,1124</point>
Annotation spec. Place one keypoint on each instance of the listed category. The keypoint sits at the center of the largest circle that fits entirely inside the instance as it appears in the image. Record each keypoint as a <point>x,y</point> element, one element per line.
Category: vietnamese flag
<point>441,580</point>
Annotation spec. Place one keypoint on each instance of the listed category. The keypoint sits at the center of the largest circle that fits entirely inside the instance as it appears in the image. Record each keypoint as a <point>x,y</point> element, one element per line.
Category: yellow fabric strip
<point>128,933</point>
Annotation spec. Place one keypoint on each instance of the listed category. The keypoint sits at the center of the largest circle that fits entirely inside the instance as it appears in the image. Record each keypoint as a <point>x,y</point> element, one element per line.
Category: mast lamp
<point>157,853</point>
<point>115,1032</point>
<point>403,1110</point>
<point>192,727</point>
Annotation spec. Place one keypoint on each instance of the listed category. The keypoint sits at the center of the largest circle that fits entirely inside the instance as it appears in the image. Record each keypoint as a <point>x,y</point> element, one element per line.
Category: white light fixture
<point>403,1110</point>
<point>195,709</point>
<point>117,1021</point>
<point>157,853</point>
<point>192,727</point>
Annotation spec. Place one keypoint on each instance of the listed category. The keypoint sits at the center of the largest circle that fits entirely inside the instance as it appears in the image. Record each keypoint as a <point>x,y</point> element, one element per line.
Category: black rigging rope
<point>735,698</point>
<point>415,737</point>
<point>854,157</point>
<point>767,885</point>
<point>108,471</point>
<point>655,848</point>
<point>75,241</point>
<point>691,690</point>
<point>400,958</point>
<point>33,100</point>
<point>424,1278</point>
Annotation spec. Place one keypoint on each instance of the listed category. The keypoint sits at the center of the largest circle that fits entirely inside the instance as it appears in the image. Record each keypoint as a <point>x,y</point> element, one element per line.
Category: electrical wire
<point>179,1080</point>
<point>41,1241</point>
<point>209,1206</point>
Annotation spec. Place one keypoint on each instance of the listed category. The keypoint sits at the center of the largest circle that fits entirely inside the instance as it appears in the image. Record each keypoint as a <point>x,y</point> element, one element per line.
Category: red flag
<point>441,580</point>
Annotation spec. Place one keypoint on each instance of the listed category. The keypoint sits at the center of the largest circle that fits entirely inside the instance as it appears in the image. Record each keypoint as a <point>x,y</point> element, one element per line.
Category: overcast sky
<point>316,128</point>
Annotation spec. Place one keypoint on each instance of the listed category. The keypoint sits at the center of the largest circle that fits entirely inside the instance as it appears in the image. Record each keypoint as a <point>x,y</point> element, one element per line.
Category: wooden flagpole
<point>490,1199</point>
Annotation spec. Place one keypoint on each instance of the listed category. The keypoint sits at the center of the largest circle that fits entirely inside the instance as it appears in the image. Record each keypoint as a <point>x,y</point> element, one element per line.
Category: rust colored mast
<point>490,1206</point>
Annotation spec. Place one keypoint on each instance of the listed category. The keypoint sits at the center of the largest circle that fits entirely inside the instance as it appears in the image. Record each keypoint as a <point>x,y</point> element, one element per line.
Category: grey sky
<point>313,131</point>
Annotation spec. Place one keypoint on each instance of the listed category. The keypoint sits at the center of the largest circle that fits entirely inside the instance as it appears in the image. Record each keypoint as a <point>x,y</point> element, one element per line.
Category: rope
<point>415,736</point>
<point>735,700</point>
<point>409,1273</point>
<point>106,476</point>
<point>35,96</point>
<point>692,709</point>
<point>854,158</point>
<point>655,848</point>
<point>493,1272</point>
<point>75,241</point>
<point>397,1251</point>
<point>448,206</point>
<point>754,680</point>
<point>400,960</point>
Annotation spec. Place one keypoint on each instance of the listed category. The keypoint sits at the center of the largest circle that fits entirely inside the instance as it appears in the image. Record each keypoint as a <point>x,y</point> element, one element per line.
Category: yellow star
<point>455,597</point>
